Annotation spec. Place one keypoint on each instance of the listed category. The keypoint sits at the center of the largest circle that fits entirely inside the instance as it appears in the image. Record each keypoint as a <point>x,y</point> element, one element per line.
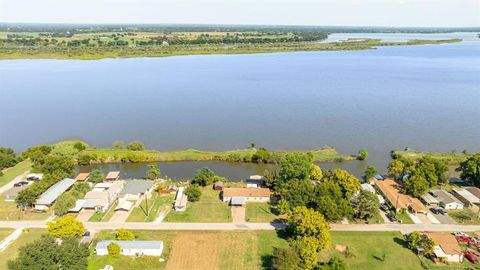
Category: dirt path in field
<point>195,251</point>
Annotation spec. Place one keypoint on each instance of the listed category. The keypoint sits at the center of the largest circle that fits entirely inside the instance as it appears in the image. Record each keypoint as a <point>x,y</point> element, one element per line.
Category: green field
<point>452,158</point>
<point>4,232</point>
<point>155,204</point>
<point>10,173</point>
<point>10,253</point>
<point>208,209</point>
<point>259,213</point>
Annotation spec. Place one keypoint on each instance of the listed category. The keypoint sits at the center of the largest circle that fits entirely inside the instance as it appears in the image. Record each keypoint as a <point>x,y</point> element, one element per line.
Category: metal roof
<point>131,244</point>
<point>52,193</point>
<point>428,198</point>
<point>466,195</point>
<point>444,197</point>
<point>137,186</point>
<point>237,201</point>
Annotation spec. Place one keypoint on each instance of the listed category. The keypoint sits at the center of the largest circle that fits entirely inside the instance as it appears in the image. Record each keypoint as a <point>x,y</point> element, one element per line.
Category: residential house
<point>132,248</point>
<point>101,198</point>
<point>52,193</point>
<point>467,198</point>
<point>243,195</point>
<point>112,176</point>
<point>136,189</point>
<point>391,190</point>
<point>446,247</point>
<point>255,181</point>
<point>429,200</point>
<point>446,200</point>
<point>181,200</point>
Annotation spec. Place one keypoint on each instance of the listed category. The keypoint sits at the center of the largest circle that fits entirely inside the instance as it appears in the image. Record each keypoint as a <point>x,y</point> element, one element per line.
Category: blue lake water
<point>424,97</point>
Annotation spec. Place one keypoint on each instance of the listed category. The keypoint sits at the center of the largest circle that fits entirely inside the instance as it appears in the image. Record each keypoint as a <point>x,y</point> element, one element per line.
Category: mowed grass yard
<point>4,232</point>
<point>155,204</point>
<point>11,252</point>
<point>10,173</point>
<point>368,249</point>
<point>208,209</point>
<point>259,213</point>
<point>199,250</point>
<point>9,211</point>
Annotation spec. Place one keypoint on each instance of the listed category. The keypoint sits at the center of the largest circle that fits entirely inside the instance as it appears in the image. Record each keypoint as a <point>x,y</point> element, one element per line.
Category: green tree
<point>427,244</point>
<point>46,253</point>
<point>193,192</point>
<point>64,203</point>
<point>204,177</point>
<point>307,222</point>
<point>330,201</point>
<point>113,250</point>
<point>365,205</point>
<point>80,146</point>
<point>96,176</point>
<point>370,173</point>
<point>65,227</point>
<point>261,155</point>
<point>60,166</point>
<point>362,154</point>
<point>153,172</point>
<point>7,158</point>
<point>295,166</point>
<point>396,168</point>
<point>470,169</point>
<point>413,239</point>
<point>297,192</point>
<point>308,247</point>
<point>287,258</point>
<point>334,263</point>
<point>349,184</point>
<point>118,144</point>
<point>124,234</point>
<point>136,146</point>
<point>416,185</point>
<point>316,173</point>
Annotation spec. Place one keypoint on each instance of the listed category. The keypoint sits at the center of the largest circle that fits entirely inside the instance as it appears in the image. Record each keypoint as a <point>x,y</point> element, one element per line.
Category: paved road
<point>404,228</point>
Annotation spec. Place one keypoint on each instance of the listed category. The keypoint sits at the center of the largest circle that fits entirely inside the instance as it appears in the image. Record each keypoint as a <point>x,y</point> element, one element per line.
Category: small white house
<point>132,248</point>
<point>446,200</point>
<point>235,195</point>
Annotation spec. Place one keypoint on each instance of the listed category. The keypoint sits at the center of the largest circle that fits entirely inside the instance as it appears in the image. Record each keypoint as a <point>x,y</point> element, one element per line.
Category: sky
<point>406,13</point>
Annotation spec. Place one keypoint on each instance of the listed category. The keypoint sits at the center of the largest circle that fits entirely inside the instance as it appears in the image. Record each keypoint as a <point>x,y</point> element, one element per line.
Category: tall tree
<point>307,222</point>
<point>295,166</point>
<point>65,227</point>
<point>416,185</point>
<point>329,200</point>
<point>396,168</point>
<point>365,205</point>
<point>470,169</point>
<point>153,172</point>
<point>297,192</point>
<point>370,173</point>
<point>349,184</point>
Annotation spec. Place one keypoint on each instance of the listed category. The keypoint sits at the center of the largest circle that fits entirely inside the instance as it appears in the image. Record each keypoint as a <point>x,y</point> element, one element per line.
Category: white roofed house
<point>101,198</point>
<point>240,196</point>
<point>52,193</point>
<point>468,199</point>
<point>131,248</point>
<point>446,200</point>
<point>181,200</point>
<point>134,189</point>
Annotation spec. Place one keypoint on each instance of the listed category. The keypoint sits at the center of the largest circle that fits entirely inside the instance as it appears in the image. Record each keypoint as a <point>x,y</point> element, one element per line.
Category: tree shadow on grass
<point>400,241</point>
<point>267,260</point>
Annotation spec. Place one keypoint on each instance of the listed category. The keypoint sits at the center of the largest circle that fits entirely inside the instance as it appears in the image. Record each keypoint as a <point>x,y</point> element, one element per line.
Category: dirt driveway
<point>120,216</point>
<point>85,215</point>
<point>238,214</point>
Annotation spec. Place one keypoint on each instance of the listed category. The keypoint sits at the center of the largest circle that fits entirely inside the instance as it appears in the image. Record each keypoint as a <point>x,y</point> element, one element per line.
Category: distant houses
<point>391,190</point>
<point>446,247</point>
<point>181,200</point>
<point>46,200</point>
<point>446,199</point>
<point>112,176</point>
<point>132,248</point>
<point>240,196</point>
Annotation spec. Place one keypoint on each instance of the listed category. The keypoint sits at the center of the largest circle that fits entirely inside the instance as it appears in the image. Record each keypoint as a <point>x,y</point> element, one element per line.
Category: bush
<point>136,146</point>
<point>85,159</point>
<point>153,173</point>
<point>204,177</point>
<point>113,249</point>
<point>80,146</point>
<point>193,192</point>
<point>66,227</point>
<point>362,154</point>
<point>96,176</point>
<point>7,158</point>
<point>123,234</point>
<point>119,144</point>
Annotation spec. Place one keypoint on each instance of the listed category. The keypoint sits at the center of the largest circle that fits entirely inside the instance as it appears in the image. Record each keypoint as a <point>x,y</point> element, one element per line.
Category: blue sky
<point>445,13</point>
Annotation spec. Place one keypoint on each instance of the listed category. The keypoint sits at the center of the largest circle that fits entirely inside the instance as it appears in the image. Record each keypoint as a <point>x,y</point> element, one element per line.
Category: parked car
<point>460,234</point>
<point>21,183</point>
<point>471,257</point>
<point>464,239</point>
<point>87,233</point>
<point>391,217</point>
<point>384,207</point>
<point>442,211</point>
<point>435,211</point>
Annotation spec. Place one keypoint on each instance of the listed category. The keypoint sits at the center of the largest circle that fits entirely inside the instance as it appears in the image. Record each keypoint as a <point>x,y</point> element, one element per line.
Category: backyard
<point>208,209</point>
<point>28,235</point>
<point>259,213</point>
<point>465,217</point>
<point>155,204</point>
<point>9,211</point>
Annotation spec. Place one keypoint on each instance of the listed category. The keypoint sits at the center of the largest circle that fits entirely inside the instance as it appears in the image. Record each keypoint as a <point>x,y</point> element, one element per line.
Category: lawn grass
<point>9,211</point>
<point>155,203</point>
<point>11,252</point>
<point>10,173</point>
<point>4,232</point>
<point>259,213</point>
<point>465,217</point>
<point>403,218</point>
<point>368,248</point>
<point>208,209</point>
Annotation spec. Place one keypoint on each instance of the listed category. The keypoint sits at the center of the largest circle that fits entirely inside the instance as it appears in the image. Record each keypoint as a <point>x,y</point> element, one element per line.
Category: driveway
<point>85,215</point>
<point>120,216</point>
<point>444,219</point>
<point>238,214</point>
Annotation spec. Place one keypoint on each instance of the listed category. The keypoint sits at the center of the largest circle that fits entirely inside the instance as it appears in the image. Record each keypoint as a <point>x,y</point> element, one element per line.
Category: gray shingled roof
<point>137,186</point>
<point>131,244</point>
<point>52,193</point>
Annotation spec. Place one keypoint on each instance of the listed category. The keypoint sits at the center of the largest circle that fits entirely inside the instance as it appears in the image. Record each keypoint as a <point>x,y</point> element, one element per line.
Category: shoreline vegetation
<point>452,158</point>
<point>90,43</point>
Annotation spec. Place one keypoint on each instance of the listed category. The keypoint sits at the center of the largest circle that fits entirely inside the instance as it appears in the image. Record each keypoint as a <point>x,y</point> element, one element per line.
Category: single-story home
<point>181,200</point>
<point>474,190</point>
<point>446,247</point>
<point>134,189</point>
<point>218,185</point>
<point>255,181</point>
<point>52,193</point>
<point>446,200</point>
<point>101,198</point>
<point>429,199</point>
<point>467,198</point>
<point>82,177</point>
<point>112,176</point>
<point>132,248</point>
<point>248,194</point>
<point>391,190</point>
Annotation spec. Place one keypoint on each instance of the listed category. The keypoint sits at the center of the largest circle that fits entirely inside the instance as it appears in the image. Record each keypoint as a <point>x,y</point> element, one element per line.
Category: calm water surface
<point>424,97</point>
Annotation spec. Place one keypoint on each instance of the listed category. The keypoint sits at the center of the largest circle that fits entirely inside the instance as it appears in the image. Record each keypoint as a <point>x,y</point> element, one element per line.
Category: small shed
<point>112,176</point>
<point>132,248</point>
<point>181,200</point>
<point>218,185</point>
<point>82,177</point>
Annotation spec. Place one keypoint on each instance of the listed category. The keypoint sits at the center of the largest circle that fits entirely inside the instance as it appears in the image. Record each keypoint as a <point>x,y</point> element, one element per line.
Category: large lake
<point>424,97</point>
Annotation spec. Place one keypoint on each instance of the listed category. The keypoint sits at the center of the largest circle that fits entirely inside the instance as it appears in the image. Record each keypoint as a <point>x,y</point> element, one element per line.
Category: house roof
<point>391,190</point>
<point>52,193</point>
<point>78,205</point>
<point>237,201</point>
<point>82,177</point>
<point>444,197</point>
<point>124,205</point>
<point>474,190</point>
<point>181,199</point>
<point>255,178</point>
<point>366,186</point>
<point>131,244</point>
<point>112,175</point>
<point>467,195</point>
<point>137,186</point>
<point>428,198</point>
<point>246,192</point>
<point>446,241</point>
